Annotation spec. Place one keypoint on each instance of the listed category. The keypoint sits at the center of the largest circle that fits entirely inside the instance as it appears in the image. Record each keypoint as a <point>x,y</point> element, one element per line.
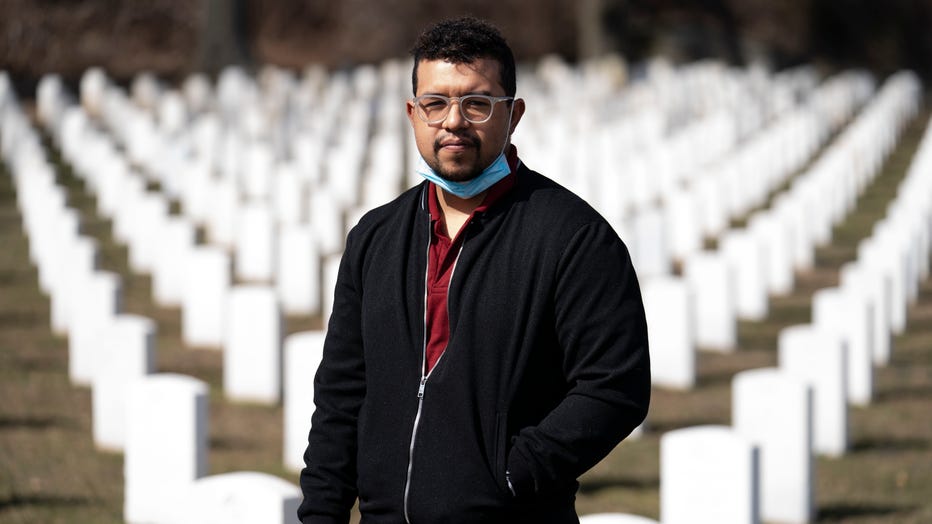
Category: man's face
<point>456,149</point>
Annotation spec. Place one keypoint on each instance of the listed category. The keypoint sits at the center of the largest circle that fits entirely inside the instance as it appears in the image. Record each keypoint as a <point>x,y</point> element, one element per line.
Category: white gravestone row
<point>160,421</point>
<point>787,414</point>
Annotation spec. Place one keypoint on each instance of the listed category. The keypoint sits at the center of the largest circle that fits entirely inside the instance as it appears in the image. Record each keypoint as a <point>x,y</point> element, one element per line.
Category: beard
<point>464,173</point>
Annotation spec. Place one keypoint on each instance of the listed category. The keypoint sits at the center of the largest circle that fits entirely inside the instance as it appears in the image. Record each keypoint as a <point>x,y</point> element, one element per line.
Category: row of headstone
<point>159,421</point>
<point>751,264</point>
<point>261,249</point>
<point>761,468</point>
<point>702,204</point>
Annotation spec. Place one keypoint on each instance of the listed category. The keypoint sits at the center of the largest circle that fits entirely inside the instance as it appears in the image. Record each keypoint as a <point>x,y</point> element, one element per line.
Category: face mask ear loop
<point>508,129</point>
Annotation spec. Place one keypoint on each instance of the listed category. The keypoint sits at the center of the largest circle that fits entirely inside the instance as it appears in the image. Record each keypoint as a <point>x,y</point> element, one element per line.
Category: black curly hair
<point>461,41</point>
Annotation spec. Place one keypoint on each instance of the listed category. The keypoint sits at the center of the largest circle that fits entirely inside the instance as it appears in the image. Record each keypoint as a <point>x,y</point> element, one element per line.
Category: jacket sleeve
<point>602,334</point>
<point>328,480</point>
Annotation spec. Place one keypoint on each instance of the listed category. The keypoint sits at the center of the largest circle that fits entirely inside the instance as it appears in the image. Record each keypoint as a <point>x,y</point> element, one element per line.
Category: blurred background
<point>816,126</point>
<point>173,38</point>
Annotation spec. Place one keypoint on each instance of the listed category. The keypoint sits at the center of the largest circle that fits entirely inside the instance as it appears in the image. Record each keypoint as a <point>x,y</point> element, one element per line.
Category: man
<point>487,343</point>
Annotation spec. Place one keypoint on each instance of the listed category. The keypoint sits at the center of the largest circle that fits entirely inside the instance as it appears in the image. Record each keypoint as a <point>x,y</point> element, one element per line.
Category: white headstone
<point>255,243</point>
<point>101,301</point>
<point>708,475</point>
<point>326,218</point>
<point>818,357</point>
<point>64,228</point>
<point>747,260</point>
<point>242,497</point>
<point>288,195</point>
<point>166,444</point>
<point>175,243</point>
<point>713,217</point>
<point>775,232</point>
<point>127,353</point>
<point>684,223</point>
<point>130,191</point>
<point>93,85</point>
<point>79,259</point>
<point>848,316</point>
<point>669,310</point>
<point>712,285</point>
<point>883,255</point>
<point>257,171</point>
<point>148,220</point>
<point>298,274</point>
<point>196,187</point>
<point>652,257</point>
<point>221,215</point>
<point>203,303</point>
<point>873,286</point>
<point>252,345</point>
<point>774,411</point>
<point>303,352</point>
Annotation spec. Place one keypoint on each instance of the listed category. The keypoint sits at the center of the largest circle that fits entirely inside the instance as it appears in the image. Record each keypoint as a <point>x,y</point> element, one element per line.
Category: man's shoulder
<point>551,200</point>
<point>401,208</point>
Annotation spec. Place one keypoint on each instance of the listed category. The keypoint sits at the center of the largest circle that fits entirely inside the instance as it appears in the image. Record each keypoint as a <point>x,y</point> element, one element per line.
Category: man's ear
<point>409,108</point>
<point>516,113</point>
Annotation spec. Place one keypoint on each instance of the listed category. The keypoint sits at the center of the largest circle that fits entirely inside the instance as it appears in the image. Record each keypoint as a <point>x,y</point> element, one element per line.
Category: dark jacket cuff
<point>522,481</point>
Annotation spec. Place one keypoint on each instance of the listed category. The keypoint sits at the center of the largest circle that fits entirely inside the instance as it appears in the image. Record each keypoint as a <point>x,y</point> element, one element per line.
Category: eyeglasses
<point>476,109</point>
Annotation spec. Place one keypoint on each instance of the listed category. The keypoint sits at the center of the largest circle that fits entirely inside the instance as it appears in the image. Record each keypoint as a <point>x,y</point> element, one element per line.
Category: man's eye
<point>433,104</point>
<point>477,103</point>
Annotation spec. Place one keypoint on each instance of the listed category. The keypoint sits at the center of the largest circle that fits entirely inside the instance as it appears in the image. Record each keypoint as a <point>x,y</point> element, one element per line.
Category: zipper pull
<point>420,389</point>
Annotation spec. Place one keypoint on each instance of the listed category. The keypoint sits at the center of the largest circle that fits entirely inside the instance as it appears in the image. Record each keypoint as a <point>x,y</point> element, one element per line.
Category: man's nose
<point>454,119</point>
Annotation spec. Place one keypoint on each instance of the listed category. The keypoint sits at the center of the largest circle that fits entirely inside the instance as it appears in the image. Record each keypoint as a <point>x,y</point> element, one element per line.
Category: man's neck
<point>456,210</point>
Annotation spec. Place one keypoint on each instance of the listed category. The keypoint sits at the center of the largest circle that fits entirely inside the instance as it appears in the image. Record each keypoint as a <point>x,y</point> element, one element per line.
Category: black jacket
<point>546,370</point>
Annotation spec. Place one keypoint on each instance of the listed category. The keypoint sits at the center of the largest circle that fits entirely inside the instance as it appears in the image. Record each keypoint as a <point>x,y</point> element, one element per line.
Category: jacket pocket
<point>500,450</point>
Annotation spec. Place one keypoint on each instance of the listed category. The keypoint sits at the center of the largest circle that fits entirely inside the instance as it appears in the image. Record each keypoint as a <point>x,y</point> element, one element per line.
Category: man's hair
<point>464,40</point>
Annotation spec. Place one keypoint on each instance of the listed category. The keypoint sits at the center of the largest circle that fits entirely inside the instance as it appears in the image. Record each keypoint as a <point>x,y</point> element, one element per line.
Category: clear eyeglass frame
<point>433,109</point>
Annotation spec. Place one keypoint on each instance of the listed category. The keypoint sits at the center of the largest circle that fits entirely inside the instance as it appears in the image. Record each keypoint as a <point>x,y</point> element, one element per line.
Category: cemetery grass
<point>50,471</point>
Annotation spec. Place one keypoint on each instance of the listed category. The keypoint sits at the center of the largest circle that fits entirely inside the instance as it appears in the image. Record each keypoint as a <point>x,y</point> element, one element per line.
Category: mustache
<point>470,140</point>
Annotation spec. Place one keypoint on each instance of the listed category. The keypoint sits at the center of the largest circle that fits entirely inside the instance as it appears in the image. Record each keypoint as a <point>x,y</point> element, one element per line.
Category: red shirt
<point>441,261</point>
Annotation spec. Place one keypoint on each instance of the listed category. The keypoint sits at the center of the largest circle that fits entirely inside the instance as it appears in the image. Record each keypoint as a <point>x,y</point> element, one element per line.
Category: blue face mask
<point>498,170</point>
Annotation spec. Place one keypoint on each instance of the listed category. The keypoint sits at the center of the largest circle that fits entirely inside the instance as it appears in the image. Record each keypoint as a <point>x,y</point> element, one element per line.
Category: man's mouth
<point>456,145</point>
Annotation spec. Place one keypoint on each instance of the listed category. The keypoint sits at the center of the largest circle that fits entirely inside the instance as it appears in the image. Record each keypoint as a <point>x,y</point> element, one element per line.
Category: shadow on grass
<point>841,512</point>
<point>8,423</point>
<point>19,319</point>
<point>659,427</point>
<point>593,486</point>
<point>889,444</point>
<point>45,501</point>
<point>904,392</point>
<point>226,443</point>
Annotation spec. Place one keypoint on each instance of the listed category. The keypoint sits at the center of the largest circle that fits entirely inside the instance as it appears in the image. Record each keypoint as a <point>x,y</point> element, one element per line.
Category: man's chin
<point>457,174</point>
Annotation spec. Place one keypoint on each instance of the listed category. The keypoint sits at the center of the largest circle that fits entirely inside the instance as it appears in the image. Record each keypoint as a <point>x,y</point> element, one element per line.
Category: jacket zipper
<point>424,376</point>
